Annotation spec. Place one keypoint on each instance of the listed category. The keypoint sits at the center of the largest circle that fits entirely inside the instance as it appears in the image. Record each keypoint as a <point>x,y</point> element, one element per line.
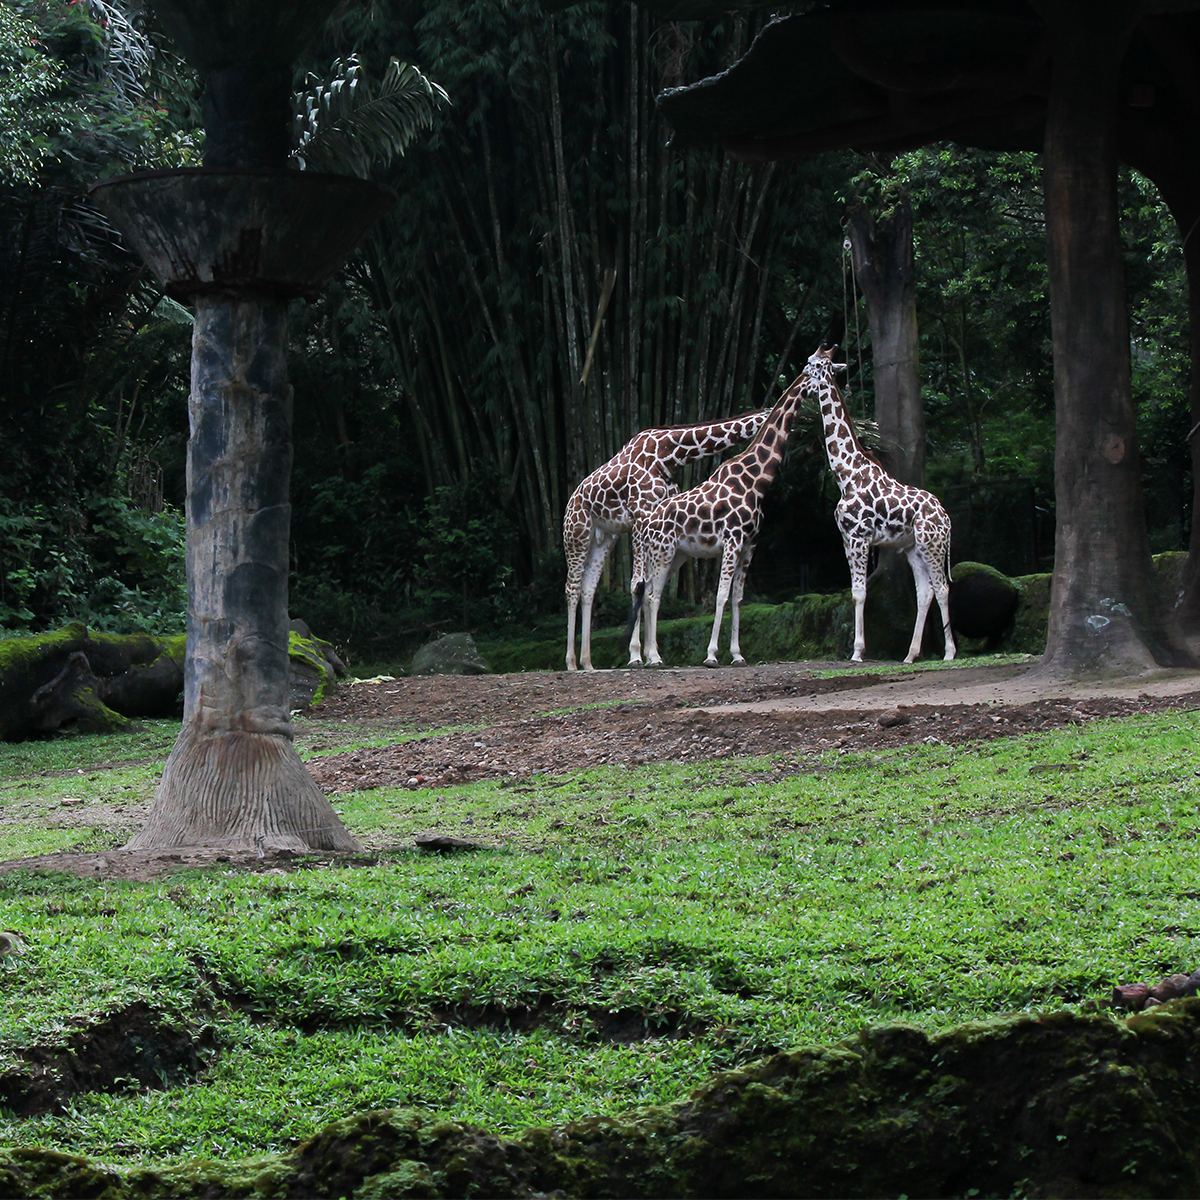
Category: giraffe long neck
<point>841,442</point>
<point>758,464</point>
<point>687,443</point>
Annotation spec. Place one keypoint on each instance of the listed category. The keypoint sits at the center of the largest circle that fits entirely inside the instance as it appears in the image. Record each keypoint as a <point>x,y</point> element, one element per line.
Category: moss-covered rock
<point>983,603</point>
<point>314,667</point>
<point>1051,1105</point>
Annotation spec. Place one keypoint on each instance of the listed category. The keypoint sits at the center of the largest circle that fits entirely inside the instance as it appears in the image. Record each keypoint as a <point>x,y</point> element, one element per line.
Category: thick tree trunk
<point>234,777</point>
<point>885,268</point>
<point>1187,610</point>
<point>1105,612</point>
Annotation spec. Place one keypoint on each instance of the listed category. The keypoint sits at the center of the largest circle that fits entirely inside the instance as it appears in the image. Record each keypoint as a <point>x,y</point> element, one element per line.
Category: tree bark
<point>1165,147</point>
<point>884,263</point>
<point>234,778</point>
<point>1105,612</point>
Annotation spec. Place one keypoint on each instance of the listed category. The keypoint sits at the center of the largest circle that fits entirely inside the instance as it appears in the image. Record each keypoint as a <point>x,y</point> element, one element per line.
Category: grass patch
<point>630,930</point>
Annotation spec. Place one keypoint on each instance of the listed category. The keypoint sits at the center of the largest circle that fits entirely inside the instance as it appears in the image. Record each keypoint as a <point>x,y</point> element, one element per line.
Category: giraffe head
<point>821,365</point>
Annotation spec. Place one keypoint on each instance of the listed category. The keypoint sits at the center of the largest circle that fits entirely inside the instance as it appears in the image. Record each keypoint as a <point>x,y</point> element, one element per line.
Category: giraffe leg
<point>637,577</point>
<point>659,575</point>
<point>729,558</point>
<point>920,570</point>
<point>857,554</point>
<point>575,548</point>
<point>650,611</point>
<point>601,547</point>
<point>739,585</point>
<point>941,589</point>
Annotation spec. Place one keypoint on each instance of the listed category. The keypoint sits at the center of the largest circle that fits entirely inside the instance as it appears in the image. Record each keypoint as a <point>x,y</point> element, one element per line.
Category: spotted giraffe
<point>606,504</point>
<point>877,510</point>
<point>720,517</point>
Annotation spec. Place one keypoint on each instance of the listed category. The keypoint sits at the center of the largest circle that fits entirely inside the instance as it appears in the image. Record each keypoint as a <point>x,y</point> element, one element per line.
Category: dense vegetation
<point>553,277</point>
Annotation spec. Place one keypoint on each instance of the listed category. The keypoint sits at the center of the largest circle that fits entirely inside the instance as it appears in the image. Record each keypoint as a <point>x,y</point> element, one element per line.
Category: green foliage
<point>352,126</point>
<point>29,115</point>
<point>628,934</point>
<point>108,563</point>
<point>91,362</point>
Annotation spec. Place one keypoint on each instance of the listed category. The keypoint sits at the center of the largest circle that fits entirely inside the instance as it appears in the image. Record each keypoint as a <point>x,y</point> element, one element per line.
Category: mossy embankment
<point>1052,1105</point>
<point>813,627</point>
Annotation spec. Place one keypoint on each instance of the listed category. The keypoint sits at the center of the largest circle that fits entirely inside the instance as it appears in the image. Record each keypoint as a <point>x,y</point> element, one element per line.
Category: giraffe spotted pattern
<point>877,510</point>
<point>608,502</point>
<point>720,517</point>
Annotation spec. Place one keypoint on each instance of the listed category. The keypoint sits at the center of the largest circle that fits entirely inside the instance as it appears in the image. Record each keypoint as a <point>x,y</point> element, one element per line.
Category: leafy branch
<point>350,125</point>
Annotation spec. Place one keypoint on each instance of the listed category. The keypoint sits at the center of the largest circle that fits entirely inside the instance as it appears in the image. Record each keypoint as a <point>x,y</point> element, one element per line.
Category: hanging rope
<point>850,289</point>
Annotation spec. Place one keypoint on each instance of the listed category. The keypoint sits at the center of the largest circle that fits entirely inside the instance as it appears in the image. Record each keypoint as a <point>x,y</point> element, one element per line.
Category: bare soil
<point>517,725</point>
<point>513,726</point>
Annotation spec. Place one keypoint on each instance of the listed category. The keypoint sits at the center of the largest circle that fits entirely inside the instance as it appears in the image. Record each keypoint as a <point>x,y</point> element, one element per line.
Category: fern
<point>350,125</point>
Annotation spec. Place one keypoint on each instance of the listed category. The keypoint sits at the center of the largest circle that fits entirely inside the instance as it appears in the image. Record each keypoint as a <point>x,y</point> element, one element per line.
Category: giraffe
<point>719,517</point>
<point>877,510</point>
<point>606,504</point>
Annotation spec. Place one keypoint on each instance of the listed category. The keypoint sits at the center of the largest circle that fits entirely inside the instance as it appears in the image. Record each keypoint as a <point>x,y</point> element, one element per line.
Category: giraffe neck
<point>841,442</point>
<point>758,464</point>
<point>671,448</point>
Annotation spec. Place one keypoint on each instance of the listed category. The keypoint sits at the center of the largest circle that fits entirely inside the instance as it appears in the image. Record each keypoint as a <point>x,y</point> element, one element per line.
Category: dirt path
<point>462,729</point>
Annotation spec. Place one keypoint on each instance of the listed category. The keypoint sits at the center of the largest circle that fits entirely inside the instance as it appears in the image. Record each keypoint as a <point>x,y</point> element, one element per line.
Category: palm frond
<point>351,125</point>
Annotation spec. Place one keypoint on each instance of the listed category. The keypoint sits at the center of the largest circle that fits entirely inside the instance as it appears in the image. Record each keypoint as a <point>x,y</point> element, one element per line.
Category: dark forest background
<point>554,277</point>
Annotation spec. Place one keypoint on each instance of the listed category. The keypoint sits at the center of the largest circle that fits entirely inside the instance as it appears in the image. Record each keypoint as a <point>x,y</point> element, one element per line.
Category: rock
<point>443,843</point>
<point>1130,995</point>
<point>454,654</point>
<point>983,601</point>
<point>1168,988</point>
<point>1192,986</point>
<point>889,719</point>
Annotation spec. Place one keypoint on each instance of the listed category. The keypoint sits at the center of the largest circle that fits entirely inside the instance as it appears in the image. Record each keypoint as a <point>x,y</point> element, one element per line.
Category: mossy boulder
<point>983,602</point>
<point>1057,1104</point>
<point>314,667</point>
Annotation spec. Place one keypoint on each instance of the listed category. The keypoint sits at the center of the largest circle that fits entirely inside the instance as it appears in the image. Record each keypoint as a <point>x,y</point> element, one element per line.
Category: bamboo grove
<point>555,276</point>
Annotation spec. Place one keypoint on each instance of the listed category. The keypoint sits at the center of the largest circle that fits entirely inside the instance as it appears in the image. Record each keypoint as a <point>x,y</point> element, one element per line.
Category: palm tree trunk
<point>234,778</point>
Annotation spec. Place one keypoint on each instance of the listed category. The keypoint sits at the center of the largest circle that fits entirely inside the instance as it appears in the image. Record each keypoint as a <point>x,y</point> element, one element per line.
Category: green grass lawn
<point>625,932</point>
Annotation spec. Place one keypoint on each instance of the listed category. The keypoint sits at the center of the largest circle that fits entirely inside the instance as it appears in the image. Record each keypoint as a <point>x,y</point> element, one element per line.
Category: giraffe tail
<point>635,609</point>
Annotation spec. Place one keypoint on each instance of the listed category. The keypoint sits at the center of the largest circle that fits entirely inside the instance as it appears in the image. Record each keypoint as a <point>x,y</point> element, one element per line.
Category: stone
<point>1168,988</point>
<point>454,654</point>
<point>1130,995</point>
<point>443,843</point>
<point>983,601</point>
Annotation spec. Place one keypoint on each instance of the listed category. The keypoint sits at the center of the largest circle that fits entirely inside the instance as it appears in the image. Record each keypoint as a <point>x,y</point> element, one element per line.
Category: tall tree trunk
<point>1106,614</point>
<point>1188,608</point>
<point>884,265</point>
<point>234,778</point>
<point>1166,149</point>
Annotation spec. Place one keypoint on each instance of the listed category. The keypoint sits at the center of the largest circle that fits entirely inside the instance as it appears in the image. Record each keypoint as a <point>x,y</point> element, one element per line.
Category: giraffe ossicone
<point>608,502</point>
<point>876,509</point>
<point>720,517</point>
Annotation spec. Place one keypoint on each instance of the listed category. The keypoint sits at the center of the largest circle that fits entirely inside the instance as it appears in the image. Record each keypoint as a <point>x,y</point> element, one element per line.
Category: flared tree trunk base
<point>240,791</point>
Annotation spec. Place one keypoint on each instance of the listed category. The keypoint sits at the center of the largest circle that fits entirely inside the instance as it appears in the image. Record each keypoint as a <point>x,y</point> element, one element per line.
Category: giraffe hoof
<point>635,664</point>
<point>711,662</point>
<point>738,662</point>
